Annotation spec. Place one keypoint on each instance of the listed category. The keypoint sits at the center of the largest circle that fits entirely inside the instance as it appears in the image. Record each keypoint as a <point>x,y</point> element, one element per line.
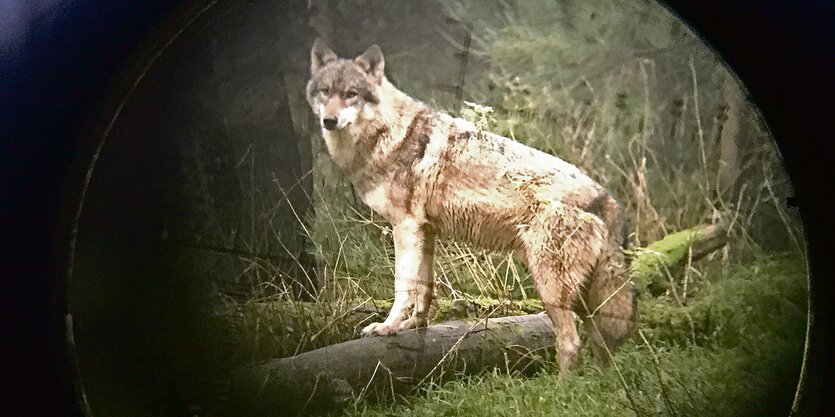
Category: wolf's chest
<point>340,147</point>
<point>377,199</point>
<point>390,199</point>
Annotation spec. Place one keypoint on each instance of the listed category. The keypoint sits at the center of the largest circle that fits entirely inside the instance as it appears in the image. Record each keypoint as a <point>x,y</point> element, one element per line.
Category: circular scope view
<point>378,208</point>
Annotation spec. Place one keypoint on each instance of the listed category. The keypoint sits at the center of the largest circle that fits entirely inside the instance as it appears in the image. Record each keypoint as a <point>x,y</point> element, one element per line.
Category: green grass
<point>741,358</point>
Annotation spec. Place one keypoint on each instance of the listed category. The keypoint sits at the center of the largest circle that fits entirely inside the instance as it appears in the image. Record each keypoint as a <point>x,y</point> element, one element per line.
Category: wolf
<point>434,176</point>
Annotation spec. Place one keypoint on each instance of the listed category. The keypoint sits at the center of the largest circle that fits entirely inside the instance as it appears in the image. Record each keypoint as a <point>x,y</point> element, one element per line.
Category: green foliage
<point>733,349</point>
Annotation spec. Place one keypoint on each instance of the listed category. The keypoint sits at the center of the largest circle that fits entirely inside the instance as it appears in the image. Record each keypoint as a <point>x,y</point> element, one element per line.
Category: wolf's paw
<point>378,329</point>
<point>413,323</point>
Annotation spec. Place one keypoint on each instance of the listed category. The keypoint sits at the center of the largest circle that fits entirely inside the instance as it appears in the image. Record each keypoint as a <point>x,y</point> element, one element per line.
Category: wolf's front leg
<point>424,293</point>
<point>414,246</point>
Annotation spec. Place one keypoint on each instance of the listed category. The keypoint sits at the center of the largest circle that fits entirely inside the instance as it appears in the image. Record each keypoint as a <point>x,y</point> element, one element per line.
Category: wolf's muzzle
<point>329,123</point>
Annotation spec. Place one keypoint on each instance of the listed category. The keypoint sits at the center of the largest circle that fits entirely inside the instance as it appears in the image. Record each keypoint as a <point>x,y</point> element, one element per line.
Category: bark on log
<point>381,367</point>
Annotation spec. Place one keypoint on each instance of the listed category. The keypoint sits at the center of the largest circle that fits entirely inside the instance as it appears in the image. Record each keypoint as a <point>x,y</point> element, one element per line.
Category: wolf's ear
<point>372,62</point>
<point>320,55</point>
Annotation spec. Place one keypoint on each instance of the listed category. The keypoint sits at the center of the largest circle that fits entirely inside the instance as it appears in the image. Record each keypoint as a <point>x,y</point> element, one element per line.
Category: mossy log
<point>381,367</point>
<point>652,268</point>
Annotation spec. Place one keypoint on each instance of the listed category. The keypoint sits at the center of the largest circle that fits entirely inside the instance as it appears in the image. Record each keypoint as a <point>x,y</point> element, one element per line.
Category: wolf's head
<point>340,90</point>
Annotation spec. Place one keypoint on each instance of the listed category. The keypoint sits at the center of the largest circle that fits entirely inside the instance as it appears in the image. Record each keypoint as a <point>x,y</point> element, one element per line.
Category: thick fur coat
<point>434,176</point>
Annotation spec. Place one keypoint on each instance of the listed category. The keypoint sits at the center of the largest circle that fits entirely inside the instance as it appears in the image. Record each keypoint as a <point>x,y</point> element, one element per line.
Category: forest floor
<point>735,349</point>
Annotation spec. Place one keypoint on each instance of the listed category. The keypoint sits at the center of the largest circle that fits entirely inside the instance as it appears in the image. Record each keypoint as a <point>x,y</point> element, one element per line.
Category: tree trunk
<point>381,367</point>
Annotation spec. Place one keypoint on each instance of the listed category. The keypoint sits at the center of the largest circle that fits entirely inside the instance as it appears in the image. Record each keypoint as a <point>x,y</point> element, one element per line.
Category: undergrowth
<point>742,358</point>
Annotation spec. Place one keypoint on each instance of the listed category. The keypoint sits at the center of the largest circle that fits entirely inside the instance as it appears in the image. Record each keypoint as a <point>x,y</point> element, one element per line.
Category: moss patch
<point>649,266</point>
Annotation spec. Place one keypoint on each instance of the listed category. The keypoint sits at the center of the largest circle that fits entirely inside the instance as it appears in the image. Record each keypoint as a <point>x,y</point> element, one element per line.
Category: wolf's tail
<point>611,303</point>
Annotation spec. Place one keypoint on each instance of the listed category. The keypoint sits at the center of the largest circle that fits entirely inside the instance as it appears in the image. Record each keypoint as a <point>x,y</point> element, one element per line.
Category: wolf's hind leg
<point>410,286</point>
<point>612,308</point>
<point>568,340</point>
<point>557,295</point>
<point>560,266</point>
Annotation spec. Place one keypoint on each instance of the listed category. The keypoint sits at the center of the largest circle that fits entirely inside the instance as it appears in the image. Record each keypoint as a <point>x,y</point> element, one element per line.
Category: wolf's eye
<point>325,91</point>
<point>351,94</point>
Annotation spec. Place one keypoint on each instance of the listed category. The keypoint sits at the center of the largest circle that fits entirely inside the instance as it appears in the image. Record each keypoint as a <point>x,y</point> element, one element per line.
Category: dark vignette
<point>60,77</point>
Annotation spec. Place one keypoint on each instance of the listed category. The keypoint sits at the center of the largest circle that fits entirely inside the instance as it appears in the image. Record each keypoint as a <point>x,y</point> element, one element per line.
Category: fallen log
<point>382,367</point>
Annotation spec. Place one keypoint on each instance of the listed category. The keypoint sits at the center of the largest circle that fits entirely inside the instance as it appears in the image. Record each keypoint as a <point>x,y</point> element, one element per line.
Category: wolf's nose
<point>329,123</point>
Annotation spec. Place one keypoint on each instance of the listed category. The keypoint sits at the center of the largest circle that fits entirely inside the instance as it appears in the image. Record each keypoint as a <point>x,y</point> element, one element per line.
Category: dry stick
<point>313,294</point>
<point>362,220</point>
<point>339,253</point>
<point>297,183</point>
<point>272,212</point>
<point>738,208</point>
<point>330,217</point>
<point>642,181</point>
<point>302,339</point>
<point>492,273</point>
<point>517,277</point>
<point>365,389</point>
<point>239,228</point>
<point>257,337</point>
<point>625,283</point>
<point>302,342</point>
<point>225,251</point>
<point>344,294</point>
<point>254,266</point>
<point>687,273</point>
